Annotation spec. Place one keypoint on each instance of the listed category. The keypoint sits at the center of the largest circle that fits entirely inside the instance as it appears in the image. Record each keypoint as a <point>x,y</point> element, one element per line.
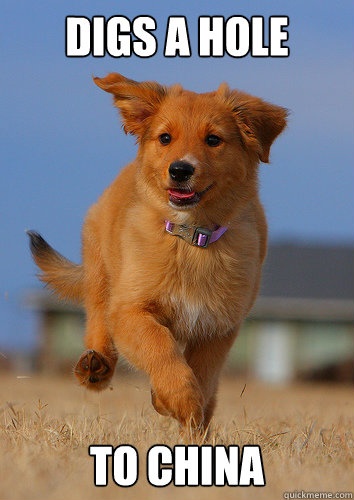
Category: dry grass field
<point>46,425</point>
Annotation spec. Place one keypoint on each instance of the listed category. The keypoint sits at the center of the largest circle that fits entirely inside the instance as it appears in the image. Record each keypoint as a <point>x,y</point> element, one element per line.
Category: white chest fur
<point>191,319</point>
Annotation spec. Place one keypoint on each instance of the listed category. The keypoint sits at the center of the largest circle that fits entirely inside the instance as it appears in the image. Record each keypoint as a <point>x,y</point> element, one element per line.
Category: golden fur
<point>172,309</point>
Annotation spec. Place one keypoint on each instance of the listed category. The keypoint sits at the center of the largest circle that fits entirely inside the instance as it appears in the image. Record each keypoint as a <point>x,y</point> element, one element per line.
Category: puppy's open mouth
<point>185,197</point>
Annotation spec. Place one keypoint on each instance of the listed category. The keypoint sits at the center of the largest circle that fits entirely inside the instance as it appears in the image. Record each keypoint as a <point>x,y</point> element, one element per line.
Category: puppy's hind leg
<point>96,365</point>
<point>206,359</point>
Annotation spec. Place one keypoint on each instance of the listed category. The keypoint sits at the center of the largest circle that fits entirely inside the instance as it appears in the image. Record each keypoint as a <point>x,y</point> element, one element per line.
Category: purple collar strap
<point>196,236</point>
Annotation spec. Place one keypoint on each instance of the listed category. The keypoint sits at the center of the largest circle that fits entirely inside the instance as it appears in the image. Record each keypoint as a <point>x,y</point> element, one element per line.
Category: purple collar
<point>197,236</point>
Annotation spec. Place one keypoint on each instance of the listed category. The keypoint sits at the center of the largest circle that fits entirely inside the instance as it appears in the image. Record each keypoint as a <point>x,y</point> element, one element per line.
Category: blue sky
<point>61,142</point>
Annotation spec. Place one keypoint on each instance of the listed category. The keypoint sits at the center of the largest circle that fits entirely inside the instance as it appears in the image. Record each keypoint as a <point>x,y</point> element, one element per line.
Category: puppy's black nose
<point>180,171</point>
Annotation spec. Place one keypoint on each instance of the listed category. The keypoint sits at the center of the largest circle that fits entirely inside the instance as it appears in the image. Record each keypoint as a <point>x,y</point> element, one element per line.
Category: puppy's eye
<point>165,139</point>
<point>212,140</point>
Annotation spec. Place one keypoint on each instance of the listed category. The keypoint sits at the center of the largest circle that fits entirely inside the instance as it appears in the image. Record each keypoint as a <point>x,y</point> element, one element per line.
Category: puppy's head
<point>198,153</point>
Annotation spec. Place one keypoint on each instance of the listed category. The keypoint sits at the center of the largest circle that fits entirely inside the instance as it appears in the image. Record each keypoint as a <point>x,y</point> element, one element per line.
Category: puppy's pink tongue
<point>181,194</point>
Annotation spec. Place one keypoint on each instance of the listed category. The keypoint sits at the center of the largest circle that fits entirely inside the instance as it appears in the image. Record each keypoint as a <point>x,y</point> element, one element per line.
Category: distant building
<point>300,326</point>
<point>302,322</point>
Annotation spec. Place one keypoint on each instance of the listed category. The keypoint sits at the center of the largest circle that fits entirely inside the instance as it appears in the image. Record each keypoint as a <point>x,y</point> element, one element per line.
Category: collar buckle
<point>201,237</point>
<point>196,236</point>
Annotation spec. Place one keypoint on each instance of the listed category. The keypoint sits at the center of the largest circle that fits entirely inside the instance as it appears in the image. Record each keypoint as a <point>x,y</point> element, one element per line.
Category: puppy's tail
<point>59,273</point>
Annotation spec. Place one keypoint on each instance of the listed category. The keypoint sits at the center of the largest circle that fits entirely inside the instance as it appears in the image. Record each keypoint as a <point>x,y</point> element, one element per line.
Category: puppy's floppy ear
<point>259,121</point>
<point>137,102</point>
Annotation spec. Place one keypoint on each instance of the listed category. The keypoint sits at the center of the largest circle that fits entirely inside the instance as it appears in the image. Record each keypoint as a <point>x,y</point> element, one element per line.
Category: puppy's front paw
<point>157,404</point>
<point>190,405</point>
<point>184,402</point>
<point>94,370</point>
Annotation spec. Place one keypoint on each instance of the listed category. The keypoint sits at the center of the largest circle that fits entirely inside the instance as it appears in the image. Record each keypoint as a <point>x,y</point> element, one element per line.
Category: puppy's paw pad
<point>93,370</point>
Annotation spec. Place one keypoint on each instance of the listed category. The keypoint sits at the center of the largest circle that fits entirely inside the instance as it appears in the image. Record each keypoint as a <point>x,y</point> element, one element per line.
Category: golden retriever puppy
<point>173,249</point>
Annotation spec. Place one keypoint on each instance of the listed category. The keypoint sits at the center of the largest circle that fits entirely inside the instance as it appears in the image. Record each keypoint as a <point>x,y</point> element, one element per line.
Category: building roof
<point>307,283</point>
<point>304,271</point>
